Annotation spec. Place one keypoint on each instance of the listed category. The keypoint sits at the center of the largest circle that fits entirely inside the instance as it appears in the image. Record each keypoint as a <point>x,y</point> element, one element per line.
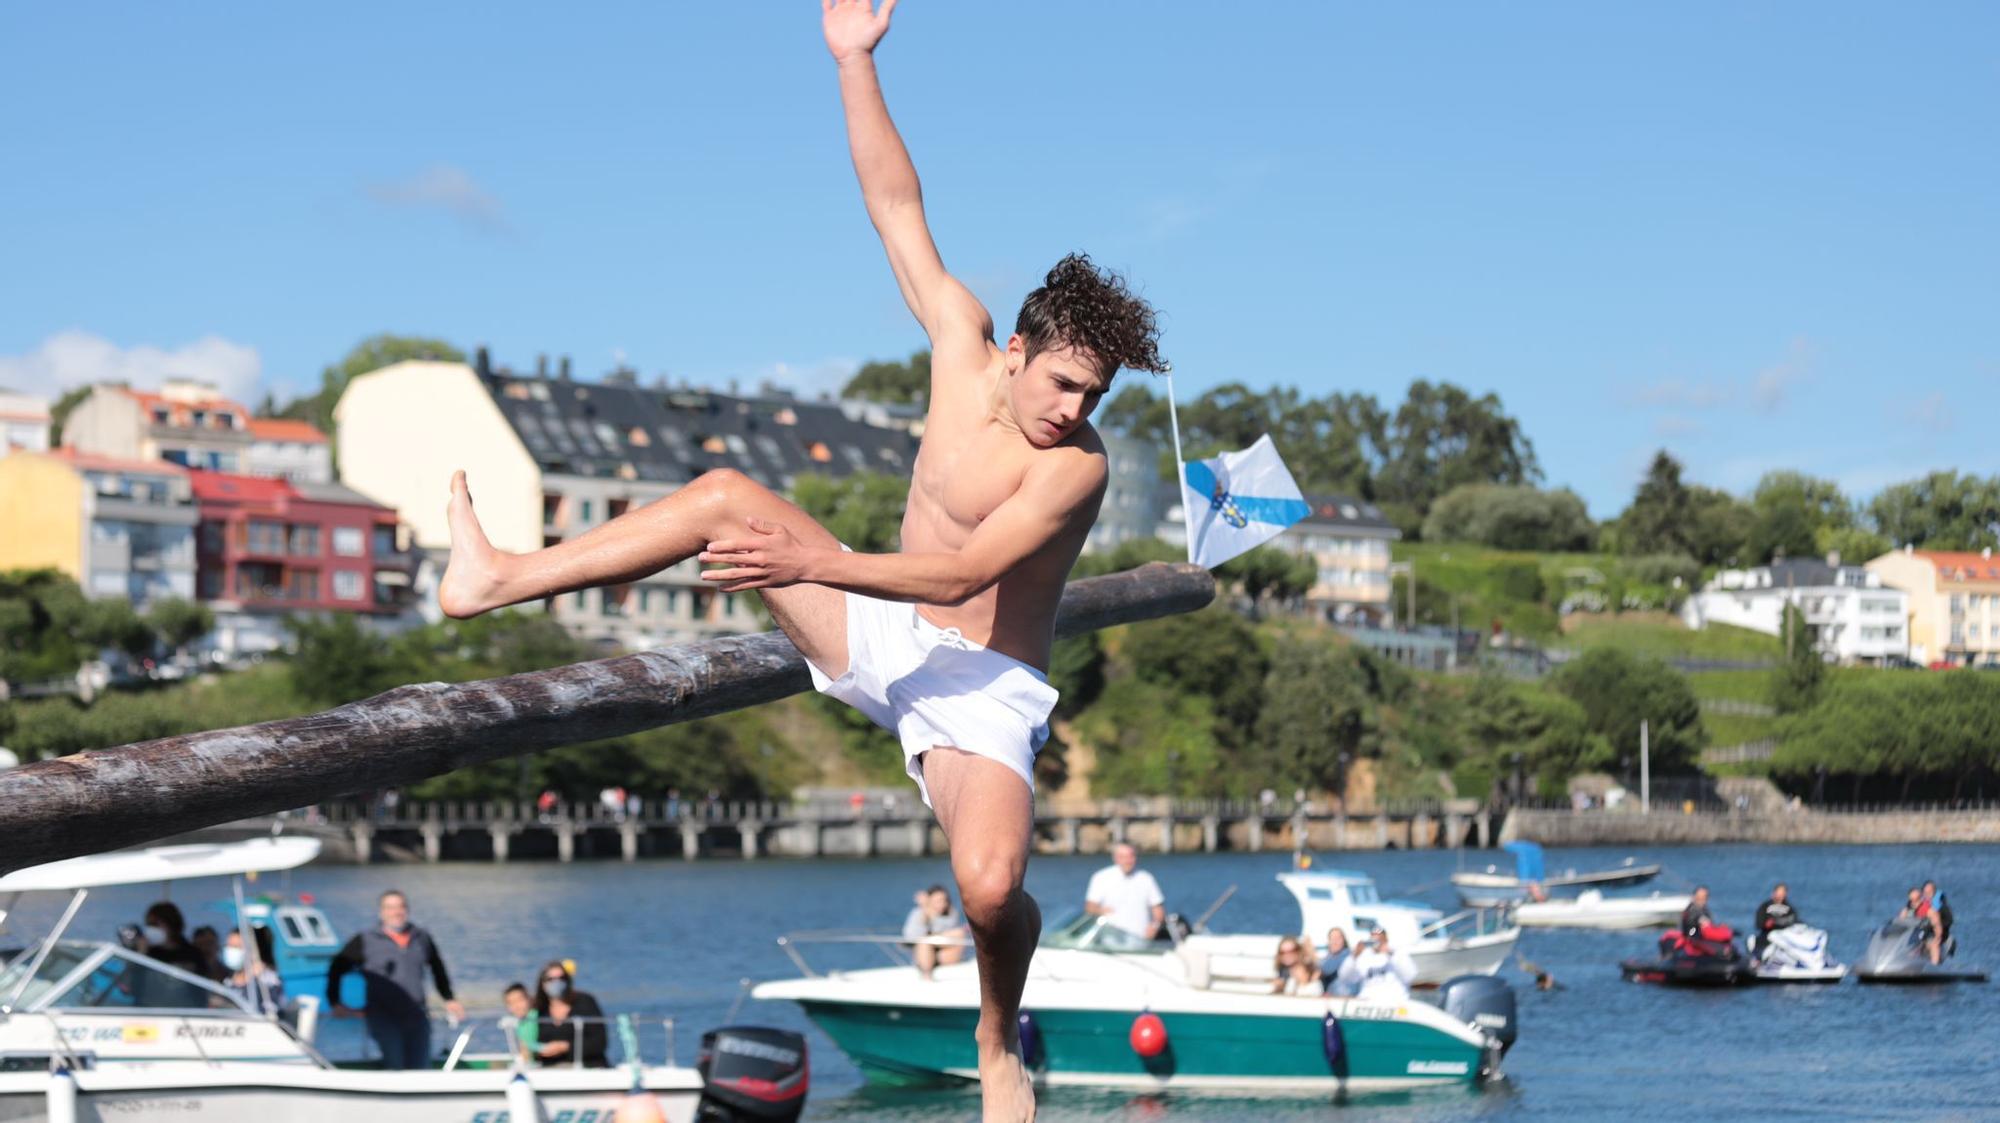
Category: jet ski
<point>1713,960</point>
<point>1896,955</point>
<point>1796,953</point>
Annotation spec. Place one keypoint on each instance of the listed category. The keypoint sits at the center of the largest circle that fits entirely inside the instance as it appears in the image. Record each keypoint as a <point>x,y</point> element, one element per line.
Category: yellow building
<point>122,529</point>
<point>1954,603</point>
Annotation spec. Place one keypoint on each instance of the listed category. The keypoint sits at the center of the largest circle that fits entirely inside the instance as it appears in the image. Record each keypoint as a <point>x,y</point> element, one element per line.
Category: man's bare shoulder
<point>1074,470</point>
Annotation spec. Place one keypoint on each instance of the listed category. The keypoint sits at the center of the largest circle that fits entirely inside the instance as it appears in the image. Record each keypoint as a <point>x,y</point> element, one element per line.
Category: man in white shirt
<point>1381,975</point>
<point>1127,895</point>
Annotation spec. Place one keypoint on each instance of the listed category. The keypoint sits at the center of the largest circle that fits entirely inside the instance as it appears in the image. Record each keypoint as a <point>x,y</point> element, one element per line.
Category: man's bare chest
<point>966,476</point>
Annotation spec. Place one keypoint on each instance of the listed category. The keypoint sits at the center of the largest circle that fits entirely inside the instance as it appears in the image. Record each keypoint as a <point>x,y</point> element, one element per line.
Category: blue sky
<point>1758,235</point>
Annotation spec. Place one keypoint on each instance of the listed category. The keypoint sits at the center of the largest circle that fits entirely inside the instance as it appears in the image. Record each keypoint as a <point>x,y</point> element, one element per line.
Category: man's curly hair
<point>1090,309</point>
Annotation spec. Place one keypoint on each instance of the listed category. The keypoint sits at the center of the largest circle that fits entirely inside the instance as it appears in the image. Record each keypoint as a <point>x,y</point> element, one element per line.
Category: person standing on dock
<point>1126,895</point>
<point>392,959</point>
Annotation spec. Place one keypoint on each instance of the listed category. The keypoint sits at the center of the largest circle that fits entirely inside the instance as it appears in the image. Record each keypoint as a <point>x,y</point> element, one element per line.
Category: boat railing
<point>473,1029</point>
<point>893,946</point>
<point>1466,924</point>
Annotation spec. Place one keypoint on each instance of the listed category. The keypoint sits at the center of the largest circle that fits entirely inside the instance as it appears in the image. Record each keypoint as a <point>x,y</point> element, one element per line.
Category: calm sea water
<point>670,938</point>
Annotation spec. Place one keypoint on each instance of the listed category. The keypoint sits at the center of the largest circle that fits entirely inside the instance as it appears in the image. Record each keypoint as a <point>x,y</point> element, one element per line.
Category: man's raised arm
<point>889,180</point>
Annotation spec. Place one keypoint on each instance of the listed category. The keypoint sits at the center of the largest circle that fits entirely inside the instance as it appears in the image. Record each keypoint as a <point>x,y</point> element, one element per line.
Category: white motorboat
<point>1470,942</point>
<point>1796,953</point>
<point>1592,909</point>
<point>92,1030</point>
<point>1490,887</point>
<point>1103,1008</point>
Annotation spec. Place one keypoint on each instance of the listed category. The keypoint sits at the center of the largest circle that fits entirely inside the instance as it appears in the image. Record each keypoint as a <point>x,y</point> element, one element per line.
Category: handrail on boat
<point>890,945</point>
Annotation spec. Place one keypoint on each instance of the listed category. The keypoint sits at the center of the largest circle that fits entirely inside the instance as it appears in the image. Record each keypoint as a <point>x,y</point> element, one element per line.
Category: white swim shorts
<point>932,687</point>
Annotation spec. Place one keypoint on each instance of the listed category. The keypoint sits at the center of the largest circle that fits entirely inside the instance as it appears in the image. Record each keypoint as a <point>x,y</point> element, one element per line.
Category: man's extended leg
<point>988,816</point>
<point>640,543</point>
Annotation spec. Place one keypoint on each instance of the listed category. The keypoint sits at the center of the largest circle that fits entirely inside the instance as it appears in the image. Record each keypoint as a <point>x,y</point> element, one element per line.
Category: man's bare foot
<point>472,578</point>
<point>1006,1091</point>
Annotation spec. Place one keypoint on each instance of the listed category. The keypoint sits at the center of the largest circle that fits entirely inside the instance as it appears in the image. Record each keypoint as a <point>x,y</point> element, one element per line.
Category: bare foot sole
<point>1006,1091</point>
<point>472,578</point>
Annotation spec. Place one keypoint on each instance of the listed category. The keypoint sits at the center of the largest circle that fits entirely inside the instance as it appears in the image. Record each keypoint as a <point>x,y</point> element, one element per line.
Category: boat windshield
<point>62,959</point>
<point>1083,932</point>
<point>86,976</point>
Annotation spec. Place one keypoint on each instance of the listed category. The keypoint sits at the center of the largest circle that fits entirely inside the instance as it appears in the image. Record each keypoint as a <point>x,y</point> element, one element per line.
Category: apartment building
<point>1348,540</point>
<point>1954,603</point>
<point>24,422</point>
<point>549,458</point>
<point>119,528</point>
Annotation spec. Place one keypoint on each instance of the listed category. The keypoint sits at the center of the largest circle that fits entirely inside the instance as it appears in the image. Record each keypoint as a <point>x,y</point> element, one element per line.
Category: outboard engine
<point>752,1073</point>
<point>1483,1002</point>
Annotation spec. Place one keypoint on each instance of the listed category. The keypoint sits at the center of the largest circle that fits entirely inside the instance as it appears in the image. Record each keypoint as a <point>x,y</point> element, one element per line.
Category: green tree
<point>64,406</point>
<point>1719,526</point>
<point>1322,711</point>
<point>1129,554</point>
<point>1792,509</point>
<point>1795,683</point>
<point>1659,518</point>
<point>1854,544</point>
<point>880,381</point>
<point>373,353</point>
<point>47,627</point>
<point>1618,690</point>
<point>1153,739</point>
<point>1212,654</point>
<point>1549,731</point>
<point>863,510</point>
<point>1270,571</point>
<point>179,622</point>
<point>1511,517</point>
<point>1943,511</point>
<point>338,661</point>
<point>1076,670</point>
<point>1442,437</point>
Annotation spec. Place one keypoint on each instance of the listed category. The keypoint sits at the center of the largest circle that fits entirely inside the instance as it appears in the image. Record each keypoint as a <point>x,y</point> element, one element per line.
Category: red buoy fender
<point>1149,1035</point>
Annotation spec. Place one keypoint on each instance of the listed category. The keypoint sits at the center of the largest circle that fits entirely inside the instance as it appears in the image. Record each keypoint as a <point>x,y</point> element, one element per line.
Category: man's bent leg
<point>988,816</point>
<point>640,543</point>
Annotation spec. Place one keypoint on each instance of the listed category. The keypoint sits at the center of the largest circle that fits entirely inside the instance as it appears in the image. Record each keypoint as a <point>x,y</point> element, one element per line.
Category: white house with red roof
<point>193,425</point>
<point>283,449</point>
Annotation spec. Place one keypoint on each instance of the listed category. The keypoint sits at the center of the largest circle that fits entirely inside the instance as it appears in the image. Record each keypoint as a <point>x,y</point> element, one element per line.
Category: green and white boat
<point>1090,983</point>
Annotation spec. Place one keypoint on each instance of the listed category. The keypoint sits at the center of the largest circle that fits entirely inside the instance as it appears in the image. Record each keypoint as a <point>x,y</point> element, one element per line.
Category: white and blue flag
<point>1238,501</point>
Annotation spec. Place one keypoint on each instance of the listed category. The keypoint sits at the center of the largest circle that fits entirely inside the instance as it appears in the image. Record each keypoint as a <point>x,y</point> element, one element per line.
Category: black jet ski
<point>1714,960</point>
<point>1896,955</point>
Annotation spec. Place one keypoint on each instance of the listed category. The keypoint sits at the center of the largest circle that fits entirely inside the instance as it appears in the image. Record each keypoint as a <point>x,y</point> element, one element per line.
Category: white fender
<point>523,1106</point>
<point>62,1096</point>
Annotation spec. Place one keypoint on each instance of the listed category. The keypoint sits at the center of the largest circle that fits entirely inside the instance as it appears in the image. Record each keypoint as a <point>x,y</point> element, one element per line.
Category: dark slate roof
<point>1345,511</point>
<point>1805,573</point>
<point>332,493</point>
<point>618,430</point>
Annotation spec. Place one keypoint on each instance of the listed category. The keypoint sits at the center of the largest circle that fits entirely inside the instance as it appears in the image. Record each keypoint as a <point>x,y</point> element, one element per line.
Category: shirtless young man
<point>947,643</point>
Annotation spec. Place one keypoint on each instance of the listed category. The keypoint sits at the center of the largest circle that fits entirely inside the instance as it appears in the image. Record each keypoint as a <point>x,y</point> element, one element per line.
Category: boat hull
<point>1608,914</point>
<point>254,1093</point>
<point>903,1046</point>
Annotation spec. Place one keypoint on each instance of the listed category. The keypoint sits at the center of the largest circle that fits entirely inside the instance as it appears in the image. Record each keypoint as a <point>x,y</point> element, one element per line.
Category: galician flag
<point>1238,501</point>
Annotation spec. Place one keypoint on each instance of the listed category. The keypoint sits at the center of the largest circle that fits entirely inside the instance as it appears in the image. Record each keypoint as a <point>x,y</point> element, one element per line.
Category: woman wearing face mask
<point>570,1021</point>
<point>253,975</point>
<point>163,942</point>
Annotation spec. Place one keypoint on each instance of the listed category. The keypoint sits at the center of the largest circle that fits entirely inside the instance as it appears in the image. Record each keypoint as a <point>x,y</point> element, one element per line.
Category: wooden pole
<point>109,798</point>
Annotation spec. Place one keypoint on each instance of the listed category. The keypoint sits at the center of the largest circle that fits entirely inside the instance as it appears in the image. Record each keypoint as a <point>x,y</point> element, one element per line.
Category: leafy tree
<point>7,721</point>
<point>1322,710</point>
<point>1442,437</point>
<point>1905,726</point>
<point>1510,517</point>
<point>1549,731</point>
<point>1076,670</point>
<point>338,661</point>
<point>1943,511</point>
<point>179,622</point>
<point>1719,526</point>
<point>1129,554</point>
<point>46,625</point>
<point>1658,520</point>
<point>892,382</point>
<point>1618,690</point>
<point>1212,654</point>
<point>1154,739</point>
<point>373,353</point>
<point>1796,682</point>
<point>1270,571</point>
<point>114,624</point>
<point>1854,544</point>
<point>1792,509</point>
<point>64,406</point>
<point>863,510</point>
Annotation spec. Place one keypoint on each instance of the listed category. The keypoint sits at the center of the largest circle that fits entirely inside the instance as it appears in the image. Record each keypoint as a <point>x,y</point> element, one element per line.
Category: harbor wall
<point>1672,827</point>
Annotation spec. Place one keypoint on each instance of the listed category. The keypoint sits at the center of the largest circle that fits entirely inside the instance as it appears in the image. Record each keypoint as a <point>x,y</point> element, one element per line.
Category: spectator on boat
<point>1773,914</point>
<point>527,1023</point>
<point>208,946</point>
<point>1296,971</point>
<point>1126,895</point>
<point>392,959</point>
<point>251,974</point>
<point>571,1021</point>
<point>162,940</point>
<point>1934,909</point>
<point>933,916</point>
<point>1695,916</point>
<point>1337,954</point>
<point>1378,973</point>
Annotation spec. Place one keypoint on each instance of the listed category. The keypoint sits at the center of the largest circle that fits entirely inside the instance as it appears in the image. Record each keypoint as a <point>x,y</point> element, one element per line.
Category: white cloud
<point>73,358</point>
<point>448,188</point>
<point>1765,390</point>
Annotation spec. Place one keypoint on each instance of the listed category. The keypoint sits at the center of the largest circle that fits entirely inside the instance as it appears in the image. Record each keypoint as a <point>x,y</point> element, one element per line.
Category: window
<point>303,585</point>
<point>305,540</point>
<point>385,541</point>
<point>175,456</point>
<point>162,416</point>
<point>266,537</point>
<point>200,418</point>
<point>349,542</point>
<point>225,421</point>
<point>346,585</point>
<point>222,461</point>
<point>583,511</point>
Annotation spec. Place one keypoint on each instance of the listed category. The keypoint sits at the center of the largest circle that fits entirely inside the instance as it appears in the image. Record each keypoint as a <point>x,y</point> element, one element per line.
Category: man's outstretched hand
<point>853,27</point>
